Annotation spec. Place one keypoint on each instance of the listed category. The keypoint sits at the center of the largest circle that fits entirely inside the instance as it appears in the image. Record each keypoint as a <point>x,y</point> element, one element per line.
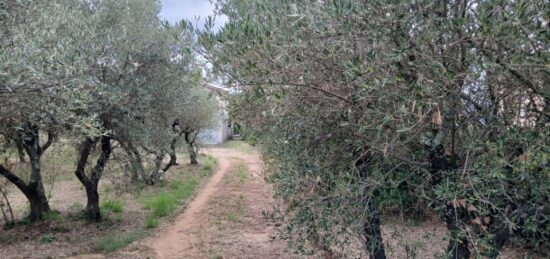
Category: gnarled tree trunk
<point>158,173</point>
<point>91,182</point>
<point>136,163</point>
<point>34,189</point>
<point>190,139</point>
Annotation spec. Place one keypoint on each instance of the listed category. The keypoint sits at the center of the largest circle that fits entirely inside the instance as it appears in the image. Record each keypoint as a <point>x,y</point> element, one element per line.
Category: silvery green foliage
<point>445,102</point>
<point>85,70</point>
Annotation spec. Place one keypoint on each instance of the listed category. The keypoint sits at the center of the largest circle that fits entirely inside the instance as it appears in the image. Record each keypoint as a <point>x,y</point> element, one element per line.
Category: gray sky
<point>176,10</point>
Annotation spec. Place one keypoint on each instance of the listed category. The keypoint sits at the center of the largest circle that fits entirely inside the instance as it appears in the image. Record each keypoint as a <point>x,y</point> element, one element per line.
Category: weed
<point>241,172</point>
<point>219,223</point>
<point>9,239</point>
<point>60,229</point>
<point>47,238</point>
<point>233,217</point>
<point>418,243</point>
<point>151,222</point>
<point>185,189</point>
<point>76,208</point>
<point>238,173</point>
<point>414,221</point>
<point>207,167</point>
<point>52,215</point>
<point>162,205</point>
<point>238,145</point>
<point>107,189</point>
<point>112,206</point>
<point>209,162</point>
<point>166,202</point>
<point>112,243</point>
<point>213,253</point>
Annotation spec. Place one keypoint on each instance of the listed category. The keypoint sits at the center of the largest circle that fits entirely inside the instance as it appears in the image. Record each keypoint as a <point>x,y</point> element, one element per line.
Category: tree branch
<point>13,178</point>
<point>48,143</point>
<point>86,148</point>
<point>106,149</point>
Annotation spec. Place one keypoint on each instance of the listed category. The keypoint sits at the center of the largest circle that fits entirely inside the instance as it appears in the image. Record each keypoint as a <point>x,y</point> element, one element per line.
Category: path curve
<point>227,217</point>
<point>179,238</point>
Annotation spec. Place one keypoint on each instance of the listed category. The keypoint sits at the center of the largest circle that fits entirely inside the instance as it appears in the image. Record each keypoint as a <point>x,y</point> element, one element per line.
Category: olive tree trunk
<point>34,189</point>
<point>91,182</point>
<point>190,139</point>
<point>158,173</point>
<point>136,162</point>
<point>372,232</point>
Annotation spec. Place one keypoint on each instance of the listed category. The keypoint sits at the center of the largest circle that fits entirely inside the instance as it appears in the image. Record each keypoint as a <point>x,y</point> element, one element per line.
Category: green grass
<point>112,206</point>
<point>162,204</point>
<point>52,215</point>
<point>166,202</point>
<point>47,238</point>
<point>241,172</point>
<point>112,243</point>
<point>151,222</point>
<point>8,239</point>
<point>208,164</point>
<point>218,222</point>
<point>234,217</point>
<point>238,145</point>
<point>60,229</point>
<point>237,174</point>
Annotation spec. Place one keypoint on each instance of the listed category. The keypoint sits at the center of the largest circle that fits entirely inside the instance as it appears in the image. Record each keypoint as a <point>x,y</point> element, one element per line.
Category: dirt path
<point>226,218</point>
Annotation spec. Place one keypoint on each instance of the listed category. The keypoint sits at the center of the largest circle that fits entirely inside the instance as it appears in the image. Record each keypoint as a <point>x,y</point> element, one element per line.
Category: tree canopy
<point>426,106</point>
<point>97,74</point>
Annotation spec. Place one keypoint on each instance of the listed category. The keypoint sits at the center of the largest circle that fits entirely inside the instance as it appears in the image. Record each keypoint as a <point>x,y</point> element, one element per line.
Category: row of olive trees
<point>94,73</point>
<point>438,106</point>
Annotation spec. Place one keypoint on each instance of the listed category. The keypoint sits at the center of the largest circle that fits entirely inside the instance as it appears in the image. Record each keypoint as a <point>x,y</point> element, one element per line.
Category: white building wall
<point>222,132</point>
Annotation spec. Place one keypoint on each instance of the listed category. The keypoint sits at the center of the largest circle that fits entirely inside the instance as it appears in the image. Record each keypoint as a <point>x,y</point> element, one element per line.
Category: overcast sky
<point>176,10</point>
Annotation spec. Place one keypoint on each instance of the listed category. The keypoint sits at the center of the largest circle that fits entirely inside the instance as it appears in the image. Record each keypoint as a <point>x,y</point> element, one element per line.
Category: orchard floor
<point>227,218</point>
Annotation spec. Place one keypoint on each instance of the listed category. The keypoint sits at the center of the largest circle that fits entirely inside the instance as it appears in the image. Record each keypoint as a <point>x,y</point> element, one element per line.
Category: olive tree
<point>35,78</point>
<point>441,103</point>
<point>99,74</point>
